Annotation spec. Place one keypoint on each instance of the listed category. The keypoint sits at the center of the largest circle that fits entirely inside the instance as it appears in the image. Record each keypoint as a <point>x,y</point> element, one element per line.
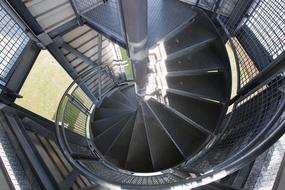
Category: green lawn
<point>47,82</point>
<point>44,86</point>
<point>128,68</point>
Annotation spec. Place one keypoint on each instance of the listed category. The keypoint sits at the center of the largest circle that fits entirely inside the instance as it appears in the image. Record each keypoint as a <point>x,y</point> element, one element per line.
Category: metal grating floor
<point>164,16</point>
<point>107,17</point>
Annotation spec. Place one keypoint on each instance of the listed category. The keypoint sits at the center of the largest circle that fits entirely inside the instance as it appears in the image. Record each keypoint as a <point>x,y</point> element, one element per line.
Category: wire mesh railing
<point>256,28</point>
<point>254,117</point>
<point>256,121</point>
<point>258,34</point>
<point>12,42</point>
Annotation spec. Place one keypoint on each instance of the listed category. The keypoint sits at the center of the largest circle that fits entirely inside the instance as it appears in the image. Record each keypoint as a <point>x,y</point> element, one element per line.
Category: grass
<point>44,86</point>
<point>128,68</point>
<point>46,83</point>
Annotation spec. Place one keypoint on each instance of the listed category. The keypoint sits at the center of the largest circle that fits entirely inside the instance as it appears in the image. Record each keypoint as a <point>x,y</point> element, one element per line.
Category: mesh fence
<point>248,69</point>
<point>250,120</point>
<point>12,42</point>
<point>258,31</point>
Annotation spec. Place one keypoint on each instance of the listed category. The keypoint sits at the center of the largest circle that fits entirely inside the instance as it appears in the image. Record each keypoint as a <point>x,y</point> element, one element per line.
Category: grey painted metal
<point>106,18</point>
<point>23,66</point>
<point>30,152</point>
<point>136,22</point>
<point>50,15</point>
<point>63,29</point>
<point>4,178</point>
<point>100,41</point>
<point>60,42</point>
<point>69,180</point>
<point>18,172</point>
<point>221,154</point>
<point>38,128</point>
<point>13,41</point>
<point>164,20</point>
<point>39,132</point>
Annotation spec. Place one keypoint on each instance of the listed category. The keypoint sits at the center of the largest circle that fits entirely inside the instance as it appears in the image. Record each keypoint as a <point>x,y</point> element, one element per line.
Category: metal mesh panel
<point>248,121</point>
<point>267,23</point>
<point>86,5</point>
<point>12,42</point>
<point>128,179</point>
<point>248,69</point>
<point>108,18</point>
<point>259,37</point>
<point>223,7</point>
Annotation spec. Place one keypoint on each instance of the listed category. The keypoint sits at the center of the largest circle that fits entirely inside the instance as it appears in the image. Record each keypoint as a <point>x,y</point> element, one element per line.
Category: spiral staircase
<point>156,132</point>
<point>202,113</point>
<point>179,133</point>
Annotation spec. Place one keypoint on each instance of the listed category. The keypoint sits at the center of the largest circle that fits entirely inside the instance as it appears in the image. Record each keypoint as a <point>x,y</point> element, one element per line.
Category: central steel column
<point>135,17</point>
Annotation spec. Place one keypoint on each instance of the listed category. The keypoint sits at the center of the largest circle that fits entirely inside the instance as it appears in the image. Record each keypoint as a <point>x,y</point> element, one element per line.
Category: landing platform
<point>164,16</point>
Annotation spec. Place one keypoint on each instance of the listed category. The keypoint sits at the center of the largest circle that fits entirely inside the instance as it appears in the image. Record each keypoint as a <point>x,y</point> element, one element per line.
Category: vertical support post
<point>135,17</point>
<point>100,41</point>
<point>100,84</point>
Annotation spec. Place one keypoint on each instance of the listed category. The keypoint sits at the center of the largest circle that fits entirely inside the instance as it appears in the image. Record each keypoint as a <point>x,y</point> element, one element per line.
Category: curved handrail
<point>266,136</point>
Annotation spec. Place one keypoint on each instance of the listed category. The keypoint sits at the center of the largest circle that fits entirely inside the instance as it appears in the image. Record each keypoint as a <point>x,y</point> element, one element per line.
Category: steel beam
<point>69,180</point>
<point>61,43</point>
<point>34,158</point>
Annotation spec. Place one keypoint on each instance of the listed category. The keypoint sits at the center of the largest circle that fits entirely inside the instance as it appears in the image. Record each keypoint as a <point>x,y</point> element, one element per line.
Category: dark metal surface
<point>12,42</point>
<point>164,19</point>
<point>249,122</point>
<point>139,158</point>
<point>18,172</point>
<point>35,160</point>
<point>256,37</point>
<point>250,129</point>
<point>160,145</point>
<point>107,18</point>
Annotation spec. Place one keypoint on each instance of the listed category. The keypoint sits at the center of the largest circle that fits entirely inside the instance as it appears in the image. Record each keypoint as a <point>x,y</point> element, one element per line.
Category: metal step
<point>99,126</point>
<point>191,35</point>
<point>118,151</point>
<point>204,58</point>
<point>205,113</point>
<point>211,85</point>
<point>164,153</point>
<point>102,113</point>
<point>105,139</point>
<point>188,138</point>
<point>131,94</point>
<point>118,96</point>
<point>183,73</point>
<point>161,25</point>
<point>139,158</point>
<point>111,103</point>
